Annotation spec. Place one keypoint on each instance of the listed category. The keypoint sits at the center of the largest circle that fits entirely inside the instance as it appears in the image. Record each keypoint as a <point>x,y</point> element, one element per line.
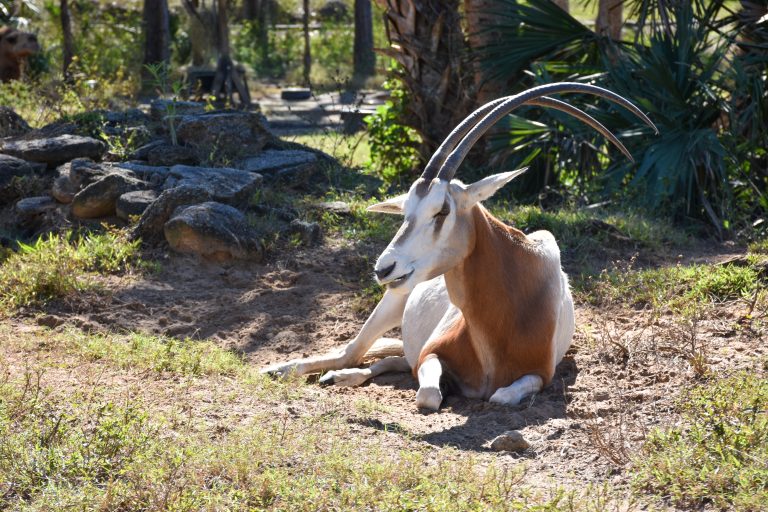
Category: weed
<point>718,453</point>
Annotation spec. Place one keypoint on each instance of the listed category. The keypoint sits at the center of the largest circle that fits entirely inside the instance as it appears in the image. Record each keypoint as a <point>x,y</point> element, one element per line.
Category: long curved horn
<point>500,108</point>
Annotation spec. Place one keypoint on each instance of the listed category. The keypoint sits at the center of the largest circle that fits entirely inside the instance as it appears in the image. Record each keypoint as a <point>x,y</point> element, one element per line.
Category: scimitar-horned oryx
<point>485,310</point>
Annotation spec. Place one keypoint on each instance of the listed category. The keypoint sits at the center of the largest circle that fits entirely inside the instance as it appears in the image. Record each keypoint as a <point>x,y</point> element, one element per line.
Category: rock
<point>309,232</point>
<point>337,207</point>
<point>63,190</point>
<point>13,171</point>
<point>83,171</point>
<point>56,150</point>
<point>510,441</point>
<point>99,199</point>
<point>31,206</point>
<point>11,123</point>
<point>273,160</point>
<point>142,152</point>
<point>134,203</point>
<point>150,226</point>
<point>225,132</point>
<point>160,109</point>
<point>167,155</point>
<point>213,230</point>
<point>155,175</point>
<point>225,185</point>
<point>295,177</point>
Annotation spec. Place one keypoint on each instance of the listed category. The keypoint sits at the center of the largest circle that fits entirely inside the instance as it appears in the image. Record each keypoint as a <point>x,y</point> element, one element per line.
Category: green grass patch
<point>58,266</point>
<point>350,150</point>
<point>718,453</point>
<point>675,286</point>
<point>759,247</point>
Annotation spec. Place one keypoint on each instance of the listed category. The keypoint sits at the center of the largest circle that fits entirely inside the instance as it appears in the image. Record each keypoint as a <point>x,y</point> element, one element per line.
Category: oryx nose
<point>381,274</point>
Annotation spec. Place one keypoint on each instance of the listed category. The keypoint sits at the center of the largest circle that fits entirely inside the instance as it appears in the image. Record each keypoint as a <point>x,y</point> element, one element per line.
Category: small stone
<point>338,207</point>
<point>11,123</point>
<point>50,321</point>
<point>310,232</point>
<point>296,176</point>
<point>55,150</point>
<point>510,441</point>
<point>12,171</point>
<point>134,203</point>
<point>63,189</point>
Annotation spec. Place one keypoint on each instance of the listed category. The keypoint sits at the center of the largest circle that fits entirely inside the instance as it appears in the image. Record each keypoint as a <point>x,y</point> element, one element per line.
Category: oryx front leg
<point>387,315</point>
<point>515,392</point>
<point>357,376</point>
<point>429,395</point>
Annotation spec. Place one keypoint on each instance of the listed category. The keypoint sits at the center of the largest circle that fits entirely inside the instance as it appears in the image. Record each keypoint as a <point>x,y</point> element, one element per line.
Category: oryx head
<point>437,233</point>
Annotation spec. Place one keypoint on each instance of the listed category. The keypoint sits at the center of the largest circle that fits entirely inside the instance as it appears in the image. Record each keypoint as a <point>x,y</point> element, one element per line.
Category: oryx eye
<point>444,211</point>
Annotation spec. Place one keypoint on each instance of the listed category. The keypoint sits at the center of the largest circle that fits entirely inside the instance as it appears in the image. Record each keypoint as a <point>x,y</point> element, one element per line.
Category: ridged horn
<point>454,149</point>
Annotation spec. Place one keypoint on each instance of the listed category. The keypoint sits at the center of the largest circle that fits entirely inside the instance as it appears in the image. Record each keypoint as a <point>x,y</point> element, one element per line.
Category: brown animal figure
<point>15,47</point>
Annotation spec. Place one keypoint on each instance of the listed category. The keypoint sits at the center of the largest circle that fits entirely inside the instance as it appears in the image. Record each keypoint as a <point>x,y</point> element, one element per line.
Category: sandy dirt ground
<point>620,379</point>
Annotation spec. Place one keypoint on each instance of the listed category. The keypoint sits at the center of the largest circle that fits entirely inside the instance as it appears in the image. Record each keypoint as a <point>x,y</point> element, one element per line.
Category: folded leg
<point>357,376</point>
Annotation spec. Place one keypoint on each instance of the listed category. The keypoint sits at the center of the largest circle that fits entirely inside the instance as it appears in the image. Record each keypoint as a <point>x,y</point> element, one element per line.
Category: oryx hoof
<point>348,377</point>
<point>279,371</point>
<point>429,398</point>
<point>329,379</point>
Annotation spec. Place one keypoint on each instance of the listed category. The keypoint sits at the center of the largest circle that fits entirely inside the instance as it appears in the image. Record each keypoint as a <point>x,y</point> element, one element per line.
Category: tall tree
<point>307,49</point>
<point>68,45</point>
<point>426,40</point>
<point>364,59</point>
<point>609,18</point>
<point>157,33</point>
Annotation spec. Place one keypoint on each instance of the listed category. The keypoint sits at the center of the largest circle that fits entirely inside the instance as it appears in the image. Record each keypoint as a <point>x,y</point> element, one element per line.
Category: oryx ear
<point>486,187</point>
<point>392,205</point>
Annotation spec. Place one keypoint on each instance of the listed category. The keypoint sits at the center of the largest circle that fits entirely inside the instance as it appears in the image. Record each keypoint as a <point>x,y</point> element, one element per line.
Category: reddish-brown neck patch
<point>504,291</point>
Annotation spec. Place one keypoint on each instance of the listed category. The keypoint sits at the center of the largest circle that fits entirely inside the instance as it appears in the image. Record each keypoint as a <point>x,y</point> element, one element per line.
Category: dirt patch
<point>619,380</point>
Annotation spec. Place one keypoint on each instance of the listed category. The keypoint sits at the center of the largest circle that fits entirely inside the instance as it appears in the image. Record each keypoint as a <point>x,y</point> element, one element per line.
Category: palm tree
<point>609,18</point>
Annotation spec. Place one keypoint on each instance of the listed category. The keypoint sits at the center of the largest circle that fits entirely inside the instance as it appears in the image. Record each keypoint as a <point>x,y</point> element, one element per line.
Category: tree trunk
<point>68,45</point>
<point>478,16</point>
<point>251,9</point>
<point>157,32</point>
<point>426,40</point>
<point>364,59</point>
<point>307,50</point>
<point>609,18</point>
<point>222,28</point>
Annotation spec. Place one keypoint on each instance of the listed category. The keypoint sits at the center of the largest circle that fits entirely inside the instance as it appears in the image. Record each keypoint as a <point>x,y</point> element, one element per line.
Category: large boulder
<point>230,133</point>
<point>55,150</point>
<point>99,199</point>
<point>150,225</point>
<point>11,123</point>
<point>225,185</point>
<point>213,230</point>
<point>168,154</point>
<point>14,172</point>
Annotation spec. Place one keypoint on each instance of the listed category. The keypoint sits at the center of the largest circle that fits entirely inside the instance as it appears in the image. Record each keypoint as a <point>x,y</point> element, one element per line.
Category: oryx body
<point>485,310</point>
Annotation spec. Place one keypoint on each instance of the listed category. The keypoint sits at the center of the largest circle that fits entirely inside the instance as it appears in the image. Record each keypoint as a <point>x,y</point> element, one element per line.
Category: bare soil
<point>621,378</point>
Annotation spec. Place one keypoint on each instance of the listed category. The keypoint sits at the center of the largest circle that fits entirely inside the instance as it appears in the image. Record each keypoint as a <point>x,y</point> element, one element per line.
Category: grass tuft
<point>58,266</point>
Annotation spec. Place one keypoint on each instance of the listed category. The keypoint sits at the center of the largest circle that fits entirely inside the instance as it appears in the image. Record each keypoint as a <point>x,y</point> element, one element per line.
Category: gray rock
<point>160,109</point>
<point>11,123</point>
<point>167,155</point>
<point>134,203</point>
<point>510,441</point>
<point>227,132</point>
<point>31,206</point>
<point>55,150</point>
<point>149,173</point>
<point>273,160</point>
<point>150,225</point>
<point>12,171</point>
<point>225,185</point>
<point>310,232</point>
<point>83,171</point>
<point>215,231</point>
<point>337,207</point>
<point>99,199</point>
<point>63,189</point>
<point>142,152</point>
<point>297,176</point>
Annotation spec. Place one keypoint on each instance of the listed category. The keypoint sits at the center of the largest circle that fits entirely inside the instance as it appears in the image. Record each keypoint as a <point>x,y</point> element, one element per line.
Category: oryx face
<point>438,230</point>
